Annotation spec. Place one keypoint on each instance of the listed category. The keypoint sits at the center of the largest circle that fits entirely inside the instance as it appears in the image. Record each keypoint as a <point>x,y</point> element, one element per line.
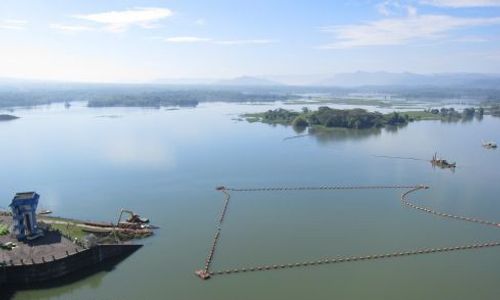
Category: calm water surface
<point>88,163</point>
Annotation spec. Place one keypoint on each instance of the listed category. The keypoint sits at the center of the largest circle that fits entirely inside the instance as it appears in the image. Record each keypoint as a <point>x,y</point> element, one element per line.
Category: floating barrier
<point>206,273</point>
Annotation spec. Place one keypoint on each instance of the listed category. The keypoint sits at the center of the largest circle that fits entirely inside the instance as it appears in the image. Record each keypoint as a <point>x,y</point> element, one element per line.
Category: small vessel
<point>489,145</point>
<point>442,163</point>
<point>133,222</point>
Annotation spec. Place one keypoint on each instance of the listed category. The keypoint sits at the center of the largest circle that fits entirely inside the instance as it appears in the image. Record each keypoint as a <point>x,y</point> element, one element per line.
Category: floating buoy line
<point>296,136</point>
<point>400,157</point>
<point>206,272</point>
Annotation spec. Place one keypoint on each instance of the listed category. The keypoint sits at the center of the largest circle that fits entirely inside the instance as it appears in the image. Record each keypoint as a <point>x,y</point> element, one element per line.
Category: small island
<point>5,117</point>
<point>494,110</point>
<point>326,117</point>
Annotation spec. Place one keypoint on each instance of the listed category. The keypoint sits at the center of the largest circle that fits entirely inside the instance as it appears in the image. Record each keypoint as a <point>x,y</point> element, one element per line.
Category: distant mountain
<point>183,81</point>
<point>248,81</point>
<point>357,79</point>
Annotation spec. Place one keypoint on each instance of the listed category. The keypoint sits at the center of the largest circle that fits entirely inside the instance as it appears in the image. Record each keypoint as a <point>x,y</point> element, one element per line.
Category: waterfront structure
<point>53,255</point>
<point>24,225</point>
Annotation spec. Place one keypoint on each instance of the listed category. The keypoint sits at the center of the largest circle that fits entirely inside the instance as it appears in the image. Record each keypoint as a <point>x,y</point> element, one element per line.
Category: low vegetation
<point>4,117</point>
<point>326,117</point>
<point>181,98</point>
<point>495,110</point>
<point>146,100</point>
<point>134,96</point>
<point>4,230</point>
<point>330,118</point>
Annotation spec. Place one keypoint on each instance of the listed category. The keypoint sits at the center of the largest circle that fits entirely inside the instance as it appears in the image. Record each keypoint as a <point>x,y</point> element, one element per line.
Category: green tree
<point>300,122</point>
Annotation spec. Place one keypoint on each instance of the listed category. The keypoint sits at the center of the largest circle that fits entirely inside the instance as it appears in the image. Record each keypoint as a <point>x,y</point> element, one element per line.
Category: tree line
<point>328,117</point>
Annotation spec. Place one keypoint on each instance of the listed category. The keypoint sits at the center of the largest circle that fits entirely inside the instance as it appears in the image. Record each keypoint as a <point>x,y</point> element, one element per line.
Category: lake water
<point>164,164</point>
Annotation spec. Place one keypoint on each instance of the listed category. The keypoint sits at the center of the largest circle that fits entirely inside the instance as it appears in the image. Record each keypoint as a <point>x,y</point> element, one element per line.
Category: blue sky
<point>139,41</point>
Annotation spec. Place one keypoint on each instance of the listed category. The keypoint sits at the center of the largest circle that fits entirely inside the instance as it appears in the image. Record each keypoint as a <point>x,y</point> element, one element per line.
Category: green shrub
<point>3,230</point>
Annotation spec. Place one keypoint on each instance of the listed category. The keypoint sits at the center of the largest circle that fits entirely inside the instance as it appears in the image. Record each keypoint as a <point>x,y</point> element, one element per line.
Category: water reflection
<point>341,134</point>
<point>329,135</point>
<point>299,129</point>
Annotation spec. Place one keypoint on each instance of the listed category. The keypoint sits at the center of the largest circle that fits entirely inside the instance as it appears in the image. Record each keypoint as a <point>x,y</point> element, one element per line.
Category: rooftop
<point>25,196</point>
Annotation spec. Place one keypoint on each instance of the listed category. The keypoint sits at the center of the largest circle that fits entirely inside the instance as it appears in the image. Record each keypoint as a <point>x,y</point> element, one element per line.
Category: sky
<point>147,40</point>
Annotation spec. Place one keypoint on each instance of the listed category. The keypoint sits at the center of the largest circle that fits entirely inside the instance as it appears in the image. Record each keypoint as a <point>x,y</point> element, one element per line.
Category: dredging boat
<point>489,145</point>
<point>442,163</point>
<point>38,251</point>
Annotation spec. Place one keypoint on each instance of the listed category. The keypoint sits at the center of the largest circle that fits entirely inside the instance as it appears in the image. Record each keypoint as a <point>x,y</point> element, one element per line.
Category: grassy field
<point>66,229</point>
<point>70,230</point>
<point>421,115</point>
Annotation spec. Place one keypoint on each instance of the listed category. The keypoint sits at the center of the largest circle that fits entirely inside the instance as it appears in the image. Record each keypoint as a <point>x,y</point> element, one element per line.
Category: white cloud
<point>383,8</point>
<point>244,42</point>
<point>70,28</point>
<point>200,22</point>
<point>388,7</point>
<point>395,8</point>
<point>412,11</point>
<point>193,39</point>
<point>470,39</point>
<point>117,21</point>
<point>13,24</point>
<point>462,3</point>
<point>397,31</point>
<point>186,39</point>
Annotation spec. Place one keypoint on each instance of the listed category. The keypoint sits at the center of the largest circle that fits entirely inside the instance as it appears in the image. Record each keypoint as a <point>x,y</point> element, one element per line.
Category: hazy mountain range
<point>346,80</point>
<point>411,79</point>
<point>358,79</point>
